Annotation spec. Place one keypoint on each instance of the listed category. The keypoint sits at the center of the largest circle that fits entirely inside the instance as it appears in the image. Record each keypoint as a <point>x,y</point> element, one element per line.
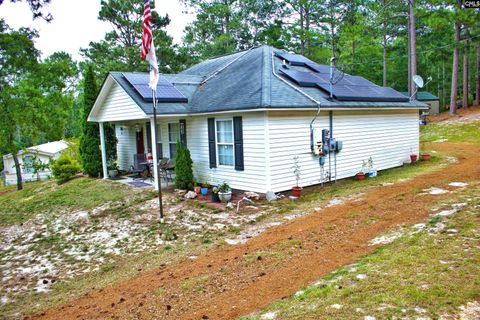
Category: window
<point>27,164</point>
<point>173,137</point>
<point>224,132</point>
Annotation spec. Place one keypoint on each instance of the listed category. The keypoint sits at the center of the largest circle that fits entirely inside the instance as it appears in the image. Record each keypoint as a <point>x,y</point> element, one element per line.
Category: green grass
<point>467,132</point>
<point>346,187</point>
<point>435,272</point>
<point>77,194</point>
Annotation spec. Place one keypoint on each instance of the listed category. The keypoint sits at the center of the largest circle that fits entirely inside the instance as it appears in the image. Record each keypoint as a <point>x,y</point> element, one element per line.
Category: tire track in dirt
<point>230,281</point>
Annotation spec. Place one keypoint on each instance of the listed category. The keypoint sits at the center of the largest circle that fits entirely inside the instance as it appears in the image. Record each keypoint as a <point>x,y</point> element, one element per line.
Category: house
<point>244,116</point>
<point>43,152</point>
<point>431,100</point>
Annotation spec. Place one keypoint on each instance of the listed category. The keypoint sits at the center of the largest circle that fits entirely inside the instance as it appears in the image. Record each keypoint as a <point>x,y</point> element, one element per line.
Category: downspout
<point>304,94</point>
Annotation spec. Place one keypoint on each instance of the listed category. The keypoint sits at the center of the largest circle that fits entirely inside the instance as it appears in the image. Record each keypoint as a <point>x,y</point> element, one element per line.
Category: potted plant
<point>296,190</point>
<point>413,157</point>
<point>112,168</point>
<point>215,197</point>
<point>361,174</point>
<point>372,172</point>
<point>204,189</point>
<point>224,192</point>
<point>196,188</point>
<point>425,156</point>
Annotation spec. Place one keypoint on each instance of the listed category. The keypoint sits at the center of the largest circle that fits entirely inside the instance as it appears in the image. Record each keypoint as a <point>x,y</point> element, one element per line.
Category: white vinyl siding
<point>126,145</point>
<point>386,136</point>
<point>118,106</point>
<point>253,178</point>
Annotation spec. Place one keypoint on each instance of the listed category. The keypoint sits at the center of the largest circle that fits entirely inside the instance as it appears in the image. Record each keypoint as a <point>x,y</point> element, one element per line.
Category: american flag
<point>148,48</point>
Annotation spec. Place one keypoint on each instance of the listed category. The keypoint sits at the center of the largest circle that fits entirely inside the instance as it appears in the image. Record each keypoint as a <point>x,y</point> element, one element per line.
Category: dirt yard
<point>234,280</point>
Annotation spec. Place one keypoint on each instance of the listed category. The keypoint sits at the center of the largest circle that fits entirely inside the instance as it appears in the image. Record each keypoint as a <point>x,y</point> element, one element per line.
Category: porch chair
<point>167,170</point>
<point>139,165</point>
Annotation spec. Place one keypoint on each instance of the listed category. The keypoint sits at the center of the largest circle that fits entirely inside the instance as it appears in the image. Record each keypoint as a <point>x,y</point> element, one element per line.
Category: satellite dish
<point>418,80</point>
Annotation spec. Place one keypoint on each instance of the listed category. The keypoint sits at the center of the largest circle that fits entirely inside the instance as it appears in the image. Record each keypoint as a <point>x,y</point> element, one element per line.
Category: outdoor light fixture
<point>137,127</point>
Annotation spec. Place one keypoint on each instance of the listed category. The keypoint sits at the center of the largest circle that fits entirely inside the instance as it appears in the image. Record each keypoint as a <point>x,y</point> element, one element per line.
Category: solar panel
<point>364,93</point>
<point>165,92</point>
<point>303,78</point>
<point>294,59</point>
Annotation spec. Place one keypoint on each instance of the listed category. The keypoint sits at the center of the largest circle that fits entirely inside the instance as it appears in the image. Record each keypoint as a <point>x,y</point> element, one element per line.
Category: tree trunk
<point>413,46</point>
<point>453,92</point>
<point>465,70</point>
<point>19,172</point>
<point>385,60</point>
<point>477,77</point>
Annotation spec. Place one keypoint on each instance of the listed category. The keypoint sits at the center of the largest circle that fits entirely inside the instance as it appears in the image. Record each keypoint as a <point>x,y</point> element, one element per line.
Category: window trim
<point>222,143</point>
<point>169,141</point>
<point>27,167</point>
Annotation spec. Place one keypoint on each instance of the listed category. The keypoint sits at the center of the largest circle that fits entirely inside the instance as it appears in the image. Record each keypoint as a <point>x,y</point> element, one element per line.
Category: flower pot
<point>204,191</point>
<point>372,173</point>
<point>297,191</point>
<point>225,196</point>
<point>197,190</point>
<point>215,197</point>
<point>112,173</point>
<point>425,157</point>
<point>360,176</point>
<point>413,158</point>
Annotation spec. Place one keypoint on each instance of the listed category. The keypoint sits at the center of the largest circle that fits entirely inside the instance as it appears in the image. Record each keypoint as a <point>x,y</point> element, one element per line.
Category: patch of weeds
<point>159,292</point>
<point>434,221</point>
<point>261,217</point>
<point>353,215</point>
<point>109,267</point>
<point>257,256</point>
<point>233,229</point>
<point>330,226</point>
<point>197,284</point>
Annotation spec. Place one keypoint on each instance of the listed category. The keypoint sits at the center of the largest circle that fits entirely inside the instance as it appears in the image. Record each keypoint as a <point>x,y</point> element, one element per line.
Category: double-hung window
<point>173,137</point>
<point>28,164</point>
<point>224,132</point>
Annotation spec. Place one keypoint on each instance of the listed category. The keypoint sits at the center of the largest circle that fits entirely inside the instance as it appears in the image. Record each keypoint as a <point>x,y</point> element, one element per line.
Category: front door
<point>140,144</point>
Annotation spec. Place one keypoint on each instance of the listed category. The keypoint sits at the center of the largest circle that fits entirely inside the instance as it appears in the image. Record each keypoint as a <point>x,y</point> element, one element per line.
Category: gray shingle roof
<point>243,81</point>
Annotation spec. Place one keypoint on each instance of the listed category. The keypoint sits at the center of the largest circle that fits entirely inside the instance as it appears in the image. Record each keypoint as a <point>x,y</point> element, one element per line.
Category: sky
<point>75,23</point>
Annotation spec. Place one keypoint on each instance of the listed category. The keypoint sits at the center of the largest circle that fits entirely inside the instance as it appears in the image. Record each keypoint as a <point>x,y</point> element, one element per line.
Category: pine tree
<point>183,168</point>
<point>89,141</point>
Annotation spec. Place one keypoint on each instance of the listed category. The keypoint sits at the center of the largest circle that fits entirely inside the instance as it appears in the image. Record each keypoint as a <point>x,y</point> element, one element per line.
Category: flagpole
<point>159,182</point>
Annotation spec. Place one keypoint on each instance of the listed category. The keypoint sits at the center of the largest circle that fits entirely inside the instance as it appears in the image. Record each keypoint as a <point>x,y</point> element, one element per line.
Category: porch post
<point>104,151</point>
<point>154,152</point>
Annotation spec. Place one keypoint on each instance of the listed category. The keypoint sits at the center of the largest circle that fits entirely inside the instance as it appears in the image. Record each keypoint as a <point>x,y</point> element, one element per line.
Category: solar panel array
<point>165,92</point>
<point>347,88</point>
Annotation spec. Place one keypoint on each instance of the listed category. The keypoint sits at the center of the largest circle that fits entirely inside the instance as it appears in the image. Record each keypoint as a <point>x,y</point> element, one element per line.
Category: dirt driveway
<point>231,281</point>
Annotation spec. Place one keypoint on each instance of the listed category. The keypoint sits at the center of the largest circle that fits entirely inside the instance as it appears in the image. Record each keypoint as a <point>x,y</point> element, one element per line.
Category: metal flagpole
<point>159,182</point>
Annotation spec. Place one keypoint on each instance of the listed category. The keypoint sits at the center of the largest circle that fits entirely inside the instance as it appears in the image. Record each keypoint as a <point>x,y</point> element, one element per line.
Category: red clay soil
<point>231,281</point>
<point>462,114</point>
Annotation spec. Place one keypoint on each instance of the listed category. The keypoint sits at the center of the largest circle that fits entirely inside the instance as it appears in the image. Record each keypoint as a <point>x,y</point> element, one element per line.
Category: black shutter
<point>211,143</point>
<point>149,137</point>
<point>238,139</point>
<point>183,132</point>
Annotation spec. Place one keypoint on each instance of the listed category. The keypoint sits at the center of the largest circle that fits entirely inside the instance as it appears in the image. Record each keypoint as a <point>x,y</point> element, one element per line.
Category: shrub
<point>65,167</point>
<point>183,168</point>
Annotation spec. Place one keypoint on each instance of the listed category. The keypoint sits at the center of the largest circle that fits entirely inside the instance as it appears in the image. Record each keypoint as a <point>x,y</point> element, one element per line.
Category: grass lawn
<point>430,271</point>
<point>77,194</point>
<point>463,132</point>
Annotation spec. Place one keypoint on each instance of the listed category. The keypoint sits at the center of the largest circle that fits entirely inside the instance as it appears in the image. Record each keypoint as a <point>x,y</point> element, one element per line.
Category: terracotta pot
<point>425,157</point>
<point>413,158</point>
<point>297,191</point>
<point>360,176</point>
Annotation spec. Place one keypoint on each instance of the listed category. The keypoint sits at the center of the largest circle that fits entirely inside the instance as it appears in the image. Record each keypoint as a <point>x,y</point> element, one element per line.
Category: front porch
<point>136,153</point>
